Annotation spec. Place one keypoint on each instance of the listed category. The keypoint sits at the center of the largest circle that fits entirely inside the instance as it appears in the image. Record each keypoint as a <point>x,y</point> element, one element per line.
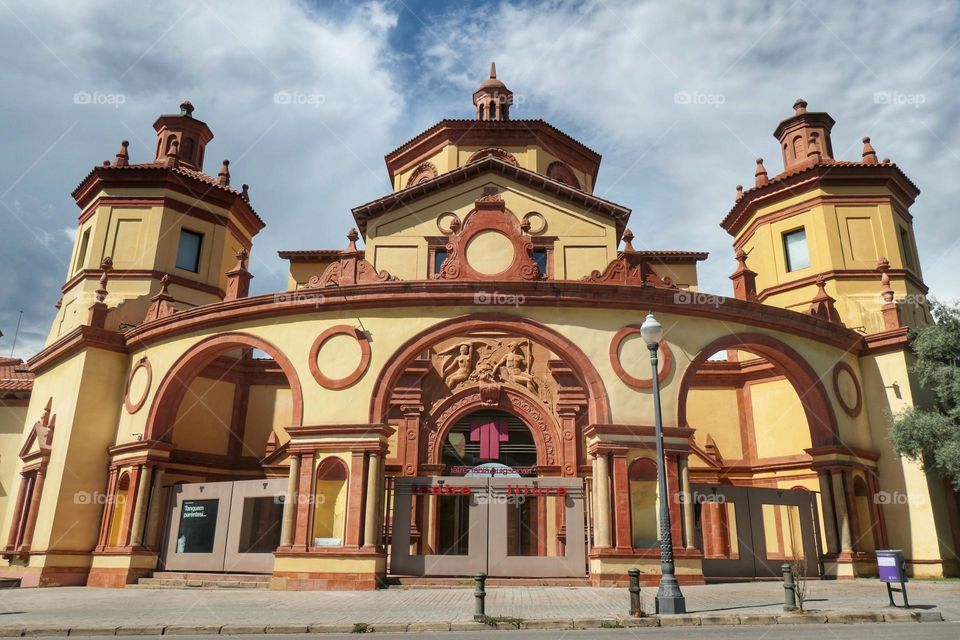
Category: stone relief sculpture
<point>485,361</point>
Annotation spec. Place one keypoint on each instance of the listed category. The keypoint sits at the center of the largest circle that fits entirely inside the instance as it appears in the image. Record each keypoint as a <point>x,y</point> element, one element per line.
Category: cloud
<point>88,75</point>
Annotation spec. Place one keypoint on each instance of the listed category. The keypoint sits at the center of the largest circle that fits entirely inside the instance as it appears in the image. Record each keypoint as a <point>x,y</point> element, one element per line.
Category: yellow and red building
<point>469,390</point>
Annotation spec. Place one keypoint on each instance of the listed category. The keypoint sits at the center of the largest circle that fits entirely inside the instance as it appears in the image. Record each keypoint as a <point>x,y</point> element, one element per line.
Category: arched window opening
<point>644,503</point>
<point>119,507</point>
<point>330,505</point>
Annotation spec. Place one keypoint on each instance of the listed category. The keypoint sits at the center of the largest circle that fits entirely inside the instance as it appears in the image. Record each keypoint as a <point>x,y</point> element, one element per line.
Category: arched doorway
<point>216,456</point>
<point>756,407</point>
<point>490,507</point>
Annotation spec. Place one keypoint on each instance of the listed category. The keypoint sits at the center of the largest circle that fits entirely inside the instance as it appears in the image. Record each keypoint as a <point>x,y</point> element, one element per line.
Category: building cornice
<point>81,338</point>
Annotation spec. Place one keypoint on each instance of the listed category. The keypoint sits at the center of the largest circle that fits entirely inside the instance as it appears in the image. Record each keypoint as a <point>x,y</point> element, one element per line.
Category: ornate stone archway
<point>546,433</point>
<point>493,360</point>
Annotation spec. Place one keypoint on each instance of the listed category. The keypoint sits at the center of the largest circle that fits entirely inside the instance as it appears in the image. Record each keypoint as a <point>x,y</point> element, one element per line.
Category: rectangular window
<point>540,257</point>
<point>795,248</point>
<point>438,257</point>
<point>907,248</point>
<point>82,253</point>
<point>188,253</point>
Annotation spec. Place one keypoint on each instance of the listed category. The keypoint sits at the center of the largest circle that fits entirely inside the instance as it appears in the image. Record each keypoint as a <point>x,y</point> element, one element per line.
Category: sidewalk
<point>78,608</point>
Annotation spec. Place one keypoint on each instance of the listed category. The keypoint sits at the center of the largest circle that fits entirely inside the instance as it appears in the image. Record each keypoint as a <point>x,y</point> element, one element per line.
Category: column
<point>621,501</point>
<point>18,512</point>
<point>879,523</point>
<point>140,506</point>
<point>108,509</point>
<point>35,496</point>
<point>843,518</point>
<point>290,503</point>
<point>826,504</point>
<point>355,499</point>
<point>853,513</point>
<point>673,491</point>
<point>601,492</point>
<point>304,501</point>
<point>687,505</point>
<point>370,506</point>
<point>151,534</point>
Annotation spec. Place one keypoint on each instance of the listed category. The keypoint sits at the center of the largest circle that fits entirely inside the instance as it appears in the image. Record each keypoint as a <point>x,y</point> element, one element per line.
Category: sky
<point>679,98</point>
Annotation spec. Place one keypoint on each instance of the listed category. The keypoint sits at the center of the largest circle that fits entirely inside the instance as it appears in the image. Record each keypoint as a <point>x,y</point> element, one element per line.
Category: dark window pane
<point>438,259</point>
<point>198,526</point>
<point>540,257</point>
<point>188,252</point>
<point>260,525</point>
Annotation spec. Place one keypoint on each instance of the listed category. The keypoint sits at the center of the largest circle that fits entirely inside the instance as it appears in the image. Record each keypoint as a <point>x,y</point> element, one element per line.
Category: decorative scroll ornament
<point>630,267</point>
<point>349,270</point>
<point>490,216</point>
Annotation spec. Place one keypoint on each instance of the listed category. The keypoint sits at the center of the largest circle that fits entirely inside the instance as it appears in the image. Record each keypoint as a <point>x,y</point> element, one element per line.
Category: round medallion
<point>846,388</point>
<point>538,224</point>
<point>445,222</point>
<point>638,358</point>
<point>345,353</point>
<point>138,385</point>
<point>490,252</point>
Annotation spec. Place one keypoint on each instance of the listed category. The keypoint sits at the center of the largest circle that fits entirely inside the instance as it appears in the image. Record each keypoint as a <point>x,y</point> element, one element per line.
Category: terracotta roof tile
<point>15,375</point>
<point>492,124</point>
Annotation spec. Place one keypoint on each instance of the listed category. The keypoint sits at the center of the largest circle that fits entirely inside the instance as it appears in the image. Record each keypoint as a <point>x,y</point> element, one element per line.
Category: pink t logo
<point>489,435</point>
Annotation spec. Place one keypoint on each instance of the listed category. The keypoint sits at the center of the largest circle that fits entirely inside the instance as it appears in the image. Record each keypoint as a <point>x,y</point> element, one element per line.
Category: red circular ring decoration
<point>666,357</point>
<point>335,383</point>
<point>133,407</point>
<point>853,411</point>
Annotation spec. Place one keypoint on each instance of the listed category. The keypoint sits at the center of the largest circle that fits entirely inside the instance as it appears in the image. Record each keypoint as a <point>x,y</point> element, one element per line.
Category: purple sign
<point>890,567</point>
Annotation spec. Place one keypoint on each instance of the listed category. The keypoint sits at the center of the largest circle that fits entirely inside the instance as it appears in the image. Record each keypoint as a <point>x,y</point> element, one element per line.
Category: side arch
<point>598,404</point>
<point>173,387</point>
<point>821,419</point>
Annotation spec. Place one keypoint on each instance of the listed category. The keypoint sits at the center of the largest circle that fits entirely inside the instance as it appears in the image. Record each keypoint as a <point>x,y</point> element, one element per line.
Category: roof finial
<point>242,256</point>
<point>760,175</point>
<point>493,70</point>
<point>628,240</point>
<point>123,157</point>
<point>223,178</point>
<point>245,193</point>
<point>869,155</point>
<point>105,266</point>
<point>352,236</point>
<point>186,109</point>
<point>739,192</point>
<point>800,106</point>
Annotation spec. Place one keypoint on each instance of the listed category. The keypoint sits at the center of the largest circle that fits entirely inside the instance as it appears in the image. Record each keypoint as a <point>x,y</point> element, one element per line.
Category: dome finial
<point>493,70</point>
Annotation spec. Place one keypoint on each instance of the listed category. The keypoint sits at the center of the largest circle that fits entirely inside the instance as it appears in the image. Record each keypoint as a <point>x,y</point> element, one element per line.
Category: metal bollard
<point>635,609</point>
<point>480,578</point>
<point>789,588</point>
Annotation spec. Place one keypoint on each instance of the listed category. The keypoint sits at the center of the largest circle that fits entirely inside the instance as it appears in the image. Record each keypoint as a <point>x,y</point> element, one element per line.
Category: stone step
<point>185,580</point>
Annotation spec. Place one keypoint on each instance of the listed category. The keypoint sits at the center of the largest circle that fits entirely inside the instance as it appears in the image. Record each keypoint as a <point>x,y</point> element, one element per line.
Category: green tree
<point>931,435</point>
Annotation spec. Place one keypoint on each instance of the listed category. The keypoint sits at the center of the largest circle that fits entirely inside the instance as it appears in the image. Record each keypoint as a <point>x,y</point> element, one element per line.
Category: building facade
<point>469,390</point>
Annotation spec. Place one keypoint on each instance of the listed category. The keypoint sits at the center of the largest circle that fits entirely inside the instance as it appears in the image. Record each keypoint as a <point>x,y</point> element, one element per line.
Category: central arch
<point>598,404</point>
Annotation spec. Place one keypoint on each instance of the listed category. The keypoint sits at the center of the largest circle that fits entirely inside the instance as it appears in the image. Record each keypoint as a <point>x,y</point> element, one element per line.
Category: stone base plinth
<point>329,570</point>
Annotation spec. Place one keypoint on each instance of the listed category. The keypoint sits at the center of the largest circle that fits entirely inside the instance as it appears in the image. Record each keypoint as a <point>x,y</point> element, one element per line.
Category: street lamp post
<point>669,597</point>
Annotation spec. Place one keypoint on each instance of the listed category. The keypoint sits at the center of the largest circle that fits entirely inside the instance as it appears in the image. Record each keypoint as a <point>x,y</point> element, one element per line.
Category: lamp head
<point>651,331</point>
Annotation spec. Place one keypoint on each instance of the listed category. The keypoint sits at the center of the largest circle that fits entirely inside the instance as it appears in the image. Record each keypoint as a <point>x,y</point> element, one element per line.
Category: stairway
<point>190,580</point>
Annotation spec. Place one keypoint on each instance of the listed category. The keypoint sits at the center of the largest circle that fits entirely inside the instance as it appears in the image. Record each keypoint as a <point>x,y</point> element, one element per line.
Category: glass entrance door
<point>224,526</point>
<point>509,527</point>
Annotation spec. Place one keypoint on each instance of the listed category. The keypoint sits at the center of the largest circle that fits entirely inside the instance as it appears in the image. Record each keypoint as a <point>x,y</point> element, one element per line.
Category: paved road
<point>887,631</point>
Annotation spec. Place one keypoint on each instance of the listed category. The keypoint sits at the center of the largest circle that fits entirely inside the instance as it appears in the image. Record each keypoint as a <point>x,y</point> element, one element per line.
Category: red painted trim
<point>340,383</point>
<point>133,407</point>
<point>853,411</point>
<point>173,387</point>
<point>821,419</point>
<point>638,383</point>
